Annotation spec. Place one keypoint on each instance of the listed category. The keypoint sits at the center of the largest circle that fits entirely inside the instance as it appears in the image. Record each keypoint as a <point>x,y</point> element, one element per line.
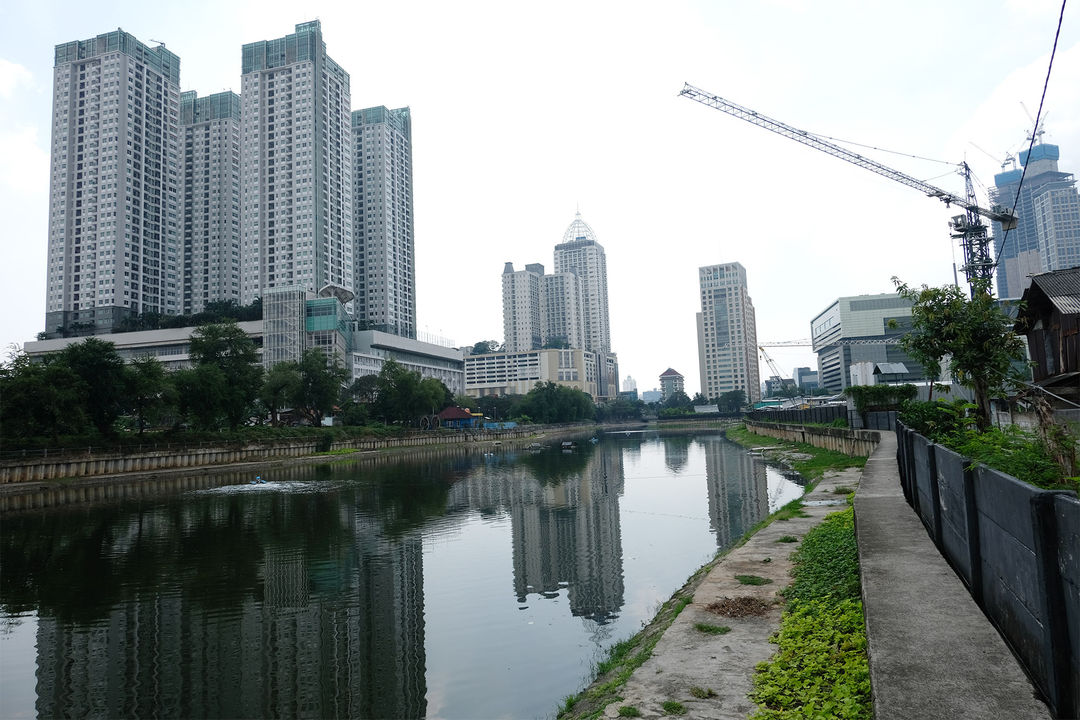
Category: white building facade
<point>113,187</point>
<point>296,158</point>
<point>727,333</point>
<point>521,299</point>
<point>385,256</point>
<point>210,197</point>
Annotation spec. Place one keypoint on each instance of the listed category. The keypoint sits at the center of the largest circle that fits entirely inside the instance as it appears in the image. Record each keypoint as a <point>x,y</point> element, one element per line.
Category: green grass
<point>629,711</point>
<point>819,462</point>
<point>793,509</point>
<point>820,668</point>
<point>673,707</point>
<point>702,693</point>
<point>340,451</point>
<point>710,629</point>
<point>787,539</point>
<point>843,490</point>
<point>752,580</point>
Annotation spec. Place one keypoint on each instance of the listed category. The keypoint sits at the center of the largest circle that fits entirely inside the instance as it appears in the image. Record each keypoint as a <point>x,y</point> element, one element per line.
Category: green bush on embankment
<point>820,669</point>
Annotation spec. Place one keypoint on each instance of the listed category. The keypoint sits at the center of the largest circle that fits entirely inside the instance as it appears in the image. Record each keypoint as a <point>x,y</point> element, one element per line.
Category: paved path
<point>933,653</point>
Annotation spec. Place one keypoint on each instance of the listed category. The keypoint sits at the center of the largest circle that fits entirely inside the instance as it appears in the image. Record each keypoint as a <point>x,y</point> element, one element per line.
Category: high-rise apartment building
<point>727,333</point>
<point>210,188</point>
<point>671,382</point>
<point>561,313</point>
<point>113,210</point>
<point>296,163</point>
<point>522,330</point>
<point>581,254</point>
<point>541,310</point>
<point>385,267</point>
<point>1047,235</point>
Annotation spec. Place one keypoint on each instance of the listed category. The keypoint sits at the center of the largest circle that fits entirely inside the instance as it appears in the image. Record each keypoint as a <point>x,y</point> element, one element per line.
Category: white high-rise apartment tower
<point>727,333</point>
<point>210,237</point>
<point>385,268</point>
<point>295,166</point>
<point>521,290</point>
<point>581,254</point>
<point>113,183</point>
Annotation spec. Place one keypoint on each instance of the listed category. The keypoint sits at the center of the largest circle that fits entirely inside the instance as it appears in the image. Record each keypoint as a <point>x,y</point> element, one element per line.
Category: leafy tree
<point>102,372</point>
<point>200,390</point>
<point>464,401</point>
<point>404,396</point>
<point>225,347</point>
<point>699,399</point>
<point>40,398</point>
<point>149,391</point>
<point>731,401</point>
<point>318,387</point>
<point>500,407</point>
<point>486,346</point>
<point>976,336</point>
<point>551,403</point>
<point>557,343</point>
<point>678,400</point>
<point>278,387</point>
<point>620,408</point>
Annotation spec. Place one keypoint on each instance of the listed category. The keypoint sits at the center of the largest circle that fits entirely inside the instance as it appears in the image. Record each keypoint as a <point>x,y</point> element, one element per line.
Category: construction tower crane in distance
<point>968,228</point>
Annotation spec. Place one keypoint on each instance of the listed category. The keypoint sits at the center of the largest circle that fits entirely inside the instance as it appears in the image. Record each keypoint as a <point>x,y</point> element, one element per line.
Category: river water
<point>455,584</point>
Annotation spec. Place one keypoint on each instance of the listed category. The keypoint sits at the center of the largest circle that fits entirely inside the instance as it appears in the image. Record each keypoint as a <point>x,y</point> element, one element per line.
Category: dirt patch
<point>739,607</point>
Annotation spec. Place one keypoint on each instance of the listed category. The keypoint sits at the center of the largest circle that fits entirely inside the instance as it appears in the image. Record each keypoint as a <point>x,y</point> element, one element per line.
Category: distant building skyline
<point>1047,234</point>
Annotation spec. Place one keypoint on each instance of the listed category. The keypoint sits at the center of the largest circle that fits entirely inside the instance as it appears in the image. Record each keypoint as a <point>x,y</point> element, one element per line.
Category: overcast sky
<point>523,112</point>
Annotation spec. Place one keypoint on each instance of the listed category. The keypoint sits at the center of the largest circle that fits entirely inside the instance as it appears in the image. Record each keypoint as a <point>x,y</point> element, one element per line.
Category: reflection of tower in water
<point>567,535</point>
<point>337,632</point>
<point>738,489</point>
<point>676,452</point>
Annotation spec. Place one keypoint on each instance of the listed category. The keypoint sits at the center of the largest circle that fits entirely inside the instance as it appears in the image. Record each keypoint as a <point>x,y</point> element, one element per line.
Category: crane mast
<point>968,228</point>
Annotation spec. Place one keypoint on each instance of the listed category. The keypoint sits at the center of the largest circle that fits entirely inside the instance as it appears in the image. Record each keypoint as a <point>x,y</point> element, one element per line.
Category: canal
<point>456,585</point>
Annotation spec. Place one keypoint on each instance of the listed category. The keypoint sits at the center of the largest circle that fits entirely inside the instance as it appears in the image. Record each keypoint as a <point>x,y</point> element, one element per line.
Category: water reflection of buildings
<point>331,626</point>
<point>676,452</point>
<point>565,530</point>
<point>738,489</point>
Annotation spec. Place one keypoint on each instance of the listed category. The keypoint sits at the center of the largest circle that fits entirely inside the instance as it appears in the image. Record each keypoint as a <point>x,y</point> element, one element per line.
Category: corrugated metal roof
<point>1062,287</point>
<point>890,368</point>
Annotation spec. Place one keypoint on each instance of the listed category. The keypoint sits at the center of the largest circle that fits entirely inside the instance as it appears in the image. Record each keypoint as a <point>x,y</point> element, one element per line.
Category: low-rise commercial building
<point>516,373</point>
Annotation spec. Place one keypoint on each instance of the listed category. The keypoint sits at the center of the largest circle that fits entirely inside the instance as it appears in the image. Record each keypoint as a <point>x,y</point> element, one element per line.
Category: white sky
<point>524,111</point>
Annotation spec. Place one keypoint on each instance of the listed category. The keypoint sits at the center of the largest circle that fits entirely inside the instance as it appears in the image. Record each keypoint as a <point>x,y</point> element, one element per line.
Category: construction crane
<point>772,365</point>
<point>968,228</point>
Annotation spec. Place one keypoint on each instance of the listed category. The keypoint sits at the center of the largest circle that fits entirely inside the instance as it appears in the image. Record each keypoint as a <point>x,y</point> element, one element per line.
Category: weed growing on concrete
<point>568,704</point>
<point>787,539</point>
<point>702,693</point>
<point>820,668</point>
<point>843,490</point>
<point>629,711</point>
<point>752,580</point>
<point>710,629</point>
<point>673,707</point>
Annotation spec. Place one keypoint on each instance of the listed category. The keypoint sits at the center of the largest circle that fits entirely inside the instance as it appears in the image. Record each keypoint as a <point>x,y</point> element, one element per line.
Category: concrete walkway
<point>933,653</point>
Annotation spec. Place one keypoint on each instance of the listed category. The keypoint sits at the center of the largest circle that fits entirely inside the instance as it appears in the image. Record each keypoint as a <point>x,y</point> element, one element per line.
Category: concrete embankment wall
<point>96,462</point>
<point>845,440</point>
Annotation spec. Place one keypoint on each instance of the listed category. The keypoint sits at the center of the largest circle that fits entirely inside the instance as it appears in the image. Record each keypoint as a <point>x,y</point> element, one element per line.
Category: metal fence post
<point>1060,682</point>
<point>971,511</point>
<point>935,494</point>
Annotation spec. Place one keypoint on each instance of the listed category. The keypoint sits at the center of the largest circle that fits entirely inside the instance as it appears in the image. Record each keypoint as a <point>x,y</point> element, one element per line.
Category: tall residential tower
<point>385,258</point>
<point>210,187</point>
<point>296,161</point>
<point>113,183</point>
<point>727,333</point>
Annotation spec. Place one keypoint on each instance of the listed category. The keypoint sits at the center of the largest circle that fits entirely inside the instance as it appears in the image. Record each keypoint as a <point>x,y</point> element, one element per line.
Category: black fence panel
<point>923,457</point>
<point>1067,517</point>
<point>824,415</point>
<point>1017,548</point>
<point>953,511</point>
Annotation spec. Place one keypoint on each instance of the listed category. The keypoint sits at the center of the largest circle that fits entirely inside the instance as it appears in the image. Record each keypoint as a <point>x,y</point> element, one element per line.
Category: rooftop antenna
<point>158,42</point>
